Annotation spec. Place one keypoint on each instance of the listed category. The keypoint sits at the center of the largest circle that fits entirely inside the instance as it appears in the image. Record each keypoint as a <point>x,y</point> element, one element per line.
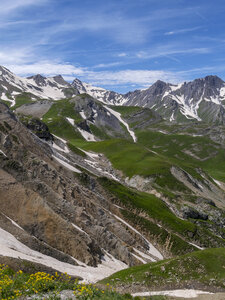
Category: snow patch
<point>172,117</point>
<point>143,254</point>
<point>217,182</point>
<point>175,293</point>
<point>198,247</point>
<point>11,247</point>
<point>152,250</point>
<point>92,155</point>
<point>83,115</point>
<point>71,121</point>
<point>3,153</point>
<point>4,97</point>
<point>78,228</point>
<point>87,135</point>
<point>65,164</point>
<point>175,87</point>
<point>62,140</point>
<point>13,222</point>
<point>222,92</point>
<point>118,116</point>
<point>139,258</point>
<point>65,150</point>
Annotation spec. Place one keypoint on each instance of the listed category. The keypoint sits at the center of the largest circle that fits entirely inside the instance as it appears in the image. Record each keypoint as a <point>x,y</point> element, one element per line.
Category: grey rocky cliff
<point>201,99</point>
<point>46,199</point>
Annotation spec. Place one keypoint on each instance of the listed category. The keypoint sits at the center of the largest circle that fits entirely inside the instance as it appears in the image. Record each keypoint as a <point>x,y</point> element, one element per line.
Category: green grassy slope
<point>200,268</point>
<point>157,212</point>
<point>203,152</point>
<point>55,118</point>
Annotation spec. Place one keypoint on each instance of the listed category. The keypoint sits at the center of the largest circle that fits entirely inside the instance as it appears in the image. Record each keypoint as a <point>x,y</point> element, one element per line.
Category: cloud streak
<point>159,52</point>
<point>8,6</point>
<point>110,78</point>
<point>184,30</point>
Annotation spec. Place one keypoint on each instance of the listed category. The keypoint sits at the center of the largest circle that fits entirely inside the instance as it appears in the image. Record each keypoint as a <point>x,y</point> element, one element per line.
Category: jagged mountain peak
<point>210,80</point>
<point>158,87</point>
<point>59,79</point>
<point>213,78</point>
<point>159,83</point>
<point>4,69</point>
<point>36,86</point>
<point>38,79</point>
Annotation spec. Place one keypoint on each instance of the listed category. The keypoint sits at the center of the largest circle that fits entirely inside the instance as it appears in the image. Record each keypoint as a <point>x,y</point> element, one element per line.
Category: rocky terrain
<point>49,211</point>
<point>93,182</point>
<point>202,99</point>
<point>12,87</point>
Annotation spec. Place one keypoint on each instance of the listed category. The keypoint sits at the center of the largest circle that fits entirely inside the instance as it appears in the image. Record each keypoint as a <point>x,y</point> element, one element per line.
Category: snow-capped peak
<point>38,86</point>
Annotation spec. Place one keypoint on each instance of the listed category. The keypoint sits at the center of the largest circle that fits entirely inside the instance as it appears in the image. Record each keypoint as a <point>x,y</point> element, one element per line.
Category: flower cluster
<point>14,285</point>
<point>86,292</point>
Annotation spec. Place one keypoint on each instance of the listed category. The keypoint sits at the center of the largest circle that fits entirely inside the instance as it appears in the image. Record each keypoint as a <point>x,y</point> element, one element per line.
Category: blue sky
<point>120,45</point>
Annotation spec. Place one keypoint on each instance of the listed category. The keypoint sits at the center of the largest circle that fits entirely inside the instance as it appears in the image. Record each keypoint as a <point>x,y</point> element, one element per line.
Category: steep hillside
<point>45,205</point>
<point>199,270</point>
<point>92,188</point>
<point>150,155</point>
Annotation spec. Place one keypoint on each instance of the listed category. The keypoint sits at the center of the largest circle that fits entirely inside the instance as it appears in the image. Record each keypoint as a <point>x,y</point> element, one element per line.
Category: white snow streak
<point>3,153</point>
<point>71,121</point>
<point>172,117</point>
<point>217,182</point>
<point>87,135</point>
<point>143,254</point>
<point>13,222</point>
<point>11,247</point>
<point>78,228</point>
<point>92,155</point>
<point>65,164</point>
<point>4,97</point>
<point>66,150</point>
<point>198,247</point>
<point>118,116</point>
<point>152,250</point>
<point>62,140</point>
<point>83,115</point>
<point>175,293</point>
<point>139,258</point>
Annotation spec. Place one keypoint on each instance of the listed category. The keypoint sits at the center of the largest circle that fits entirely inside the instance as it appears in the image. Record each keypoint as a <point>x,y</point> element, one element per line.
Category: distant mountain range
<point>93,181</point>
<point>201,99</point>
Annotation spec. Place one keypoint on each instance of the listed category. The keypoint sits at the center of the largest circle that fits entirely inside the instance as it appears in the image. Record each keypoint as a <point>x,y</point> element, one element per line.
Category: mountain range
<point>93,181</point>
<point>201,99</point>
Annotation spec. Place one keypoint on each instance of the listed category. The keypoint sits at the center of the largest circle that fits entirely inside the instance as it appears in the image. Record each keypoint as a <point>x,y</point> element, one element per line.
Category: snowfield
<point>11,247</point>
<point>118,116</point>
<point>152,250</point>
<point>175,293</point>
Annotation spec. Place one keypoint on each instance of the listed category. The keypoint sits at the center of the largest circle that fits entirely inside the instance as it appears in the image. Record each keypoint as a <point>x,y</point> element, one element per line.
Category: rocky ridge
<point>201,99</point>
<point>54,213</point>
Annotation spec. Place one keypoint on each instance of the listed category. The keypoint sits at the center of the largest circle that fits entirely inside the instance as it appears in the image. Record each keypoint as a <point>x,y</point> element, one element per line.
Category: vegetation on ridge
<point>14,285</point>
<point>204,268</point>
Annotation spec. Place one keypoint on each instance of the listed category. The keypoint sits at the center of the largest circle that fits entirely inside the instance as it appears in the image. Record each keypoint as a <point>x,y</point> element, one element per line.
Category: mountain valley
<point>94,182</point>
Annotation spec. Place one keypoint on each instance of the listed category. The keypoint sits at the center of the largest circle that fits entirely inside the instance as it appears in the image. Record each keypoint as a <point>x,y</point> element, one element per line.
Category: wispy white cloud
<point>11,5</point>
<point>15,56</point>
<point>123,54</point>
<point>165,51</point>
<point>110,78</point>
<point>184,30</point>
<point>46,68</point>
<point>137,77</point>
<point>107,65</point>
<point>112,25</point>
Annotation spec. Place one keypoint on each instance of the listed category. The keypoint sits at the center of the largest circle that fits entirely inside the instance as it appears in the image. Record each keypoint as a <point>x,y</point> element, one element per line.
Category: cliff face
<point>57,215</point>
